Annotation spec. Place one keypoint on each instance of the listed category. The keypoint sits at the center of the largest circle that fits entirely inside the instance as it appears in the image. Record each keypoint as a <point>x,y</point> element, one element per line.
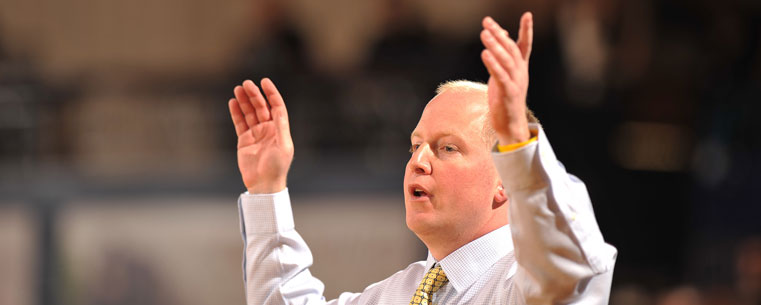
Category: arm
<point>277,260</point>
<point>561,254</point>
<point>562,257</point>
<point>276,257</point>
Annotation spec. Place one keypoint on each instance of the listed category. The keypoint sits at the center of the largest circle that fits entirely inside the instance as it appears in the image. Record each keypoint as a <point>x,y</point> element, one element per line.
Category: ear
<point>500,196</point>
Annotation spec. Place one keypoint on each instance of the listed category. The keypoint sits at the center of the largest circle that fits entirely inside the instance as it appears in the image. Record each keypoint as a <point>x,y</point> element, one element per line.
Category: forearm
<point>558,243</point>
<point>276,257</point>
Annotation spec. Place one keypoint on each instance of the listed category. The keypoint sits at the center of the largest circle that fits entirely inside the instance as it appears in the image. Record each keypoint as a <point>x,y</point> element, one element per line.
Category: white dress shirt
<point>551,253</point>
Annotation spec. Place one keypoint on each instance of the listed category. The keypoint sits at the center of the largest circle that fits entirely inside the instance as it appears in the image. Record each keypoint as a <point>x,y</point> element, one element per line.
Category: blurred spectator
<point>683,295</point>
<point>748,268</point>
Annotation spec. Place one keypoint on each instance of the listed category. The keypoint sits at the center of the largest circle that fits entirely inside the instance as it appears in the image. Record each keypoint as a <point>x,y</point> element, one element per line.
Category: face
<point>450,181</point>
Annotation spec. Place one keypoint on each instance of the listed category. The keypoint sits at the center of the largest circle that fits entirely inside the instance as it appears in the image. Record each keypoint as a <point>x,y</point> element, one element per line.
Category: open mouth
<point>418,192</point>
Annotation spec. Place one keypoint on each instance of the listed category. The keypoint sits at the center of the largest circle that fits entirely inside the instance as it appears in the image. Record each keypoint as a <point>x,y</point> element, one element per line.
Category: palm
<point>265,148</point>
<point>261,153</point>
<point>499,99</point>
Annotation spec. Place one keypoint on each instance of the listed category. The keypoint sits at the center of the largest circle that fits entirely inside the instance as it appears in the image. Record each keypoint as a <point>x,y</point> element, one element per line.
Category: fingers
<point>279,113</point>
<point>253,106</point>
<point>526,35</point>
<point>501,36</point>
<point>239,119</point>
<point>497,50</point>
<point>273,96</point>
<point>502,47</point>
<point>245,106</point>
<point>257,101</point>
<point>494,67</point>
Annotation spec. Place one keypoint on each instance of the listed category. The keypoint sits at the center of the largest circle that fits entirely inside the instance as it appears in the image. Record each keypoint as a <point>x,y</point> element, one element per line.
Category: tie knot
<point>437,274</point>
<point>432,281</point>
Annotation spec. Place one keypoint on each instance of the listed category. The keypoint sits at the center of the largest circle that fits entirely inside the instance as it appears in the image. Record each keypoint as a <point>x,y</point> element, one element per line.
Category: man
<point>506,227</point>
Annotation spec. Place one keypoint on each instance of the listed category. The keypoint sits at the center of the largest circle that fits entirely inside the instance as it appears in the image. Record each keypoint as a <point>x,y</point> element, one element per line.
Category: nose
<point>419,162</point>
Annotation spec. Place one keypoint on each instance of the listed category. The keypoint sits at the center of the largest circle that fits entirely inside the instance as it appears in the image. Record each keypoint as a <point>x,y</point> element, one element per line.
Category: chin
<point>420,223</point>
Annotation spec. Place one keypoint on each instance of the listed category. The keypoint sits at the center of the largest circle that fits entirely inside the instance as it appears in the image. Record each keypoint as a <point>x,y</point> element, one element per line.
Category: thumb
<point>283,126</point>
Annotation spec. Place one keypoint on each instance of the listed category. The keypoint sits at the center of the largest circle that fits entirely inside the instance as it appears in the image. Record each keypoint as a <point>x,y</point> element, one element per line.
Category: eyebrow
<point>438,135</point>
<point>414,133</point>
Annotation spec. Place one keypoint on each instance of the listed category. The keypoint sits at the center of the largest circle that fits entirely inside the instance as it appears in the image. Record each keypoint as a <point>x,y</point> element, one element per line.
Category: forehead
<point>456,112</point>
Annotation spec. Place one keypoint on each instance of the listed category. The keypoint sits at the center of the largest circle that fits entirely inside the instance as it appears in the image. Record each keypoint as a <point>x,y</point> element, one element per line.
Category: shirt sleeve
<point>276,259</point>
<point>561,254</point>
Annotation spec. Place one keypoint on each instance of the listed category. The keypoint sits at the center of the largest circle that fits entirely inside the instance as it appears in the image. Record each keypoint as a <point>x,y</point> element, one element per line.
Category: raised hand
<point>265,148</point>
<point>507,62</point>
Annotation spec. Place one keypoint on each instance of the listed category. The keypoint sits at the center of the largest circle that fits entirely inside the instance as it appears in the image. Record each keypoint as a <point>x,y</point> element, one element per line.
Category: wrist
<point>514,136</point>
<point>269,188</point>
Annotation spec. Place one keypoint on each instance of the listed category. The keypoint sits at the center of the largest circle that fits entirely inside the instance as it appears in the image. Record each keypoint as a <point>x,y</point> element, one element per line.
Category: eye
<point>414,147</point>
<point>449,148</point>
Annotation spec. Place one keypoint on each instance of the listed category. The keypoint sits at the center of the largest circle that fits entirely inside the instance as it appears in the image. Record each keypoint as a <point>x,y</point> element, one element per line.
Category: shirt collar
<point>466,264</point>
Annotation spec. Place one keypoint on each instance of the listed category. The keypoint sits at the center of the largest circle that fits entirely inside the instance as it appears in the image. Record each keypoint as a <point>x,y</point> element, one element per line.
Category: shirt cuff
<point>520,168</point>
<point>514,146</point>
<point>266,213</point>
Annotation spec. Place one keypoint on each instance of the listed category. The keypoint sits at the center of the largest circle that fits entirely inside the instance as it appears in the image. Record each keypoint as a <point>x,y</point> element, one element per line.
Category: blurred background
<point>118,177</point>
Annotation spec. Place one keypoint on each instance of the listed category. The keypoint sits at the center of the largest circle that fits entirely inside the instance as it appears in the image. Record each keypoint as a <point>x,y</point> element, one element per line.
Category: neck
<point>443,243</point>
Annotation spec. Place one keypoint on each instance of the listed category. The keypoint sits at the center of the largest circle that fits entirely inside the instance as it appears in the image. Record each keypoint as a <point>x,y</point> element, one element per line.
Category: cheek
<point>405,181</point>
<point>406,177</point>
<point>471,184</point>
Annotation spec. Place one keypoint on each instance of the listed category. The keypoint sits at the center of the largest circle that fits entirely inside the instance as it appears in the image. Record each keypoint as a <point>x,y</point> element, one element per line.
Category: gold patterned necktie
<point>432,281</point>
